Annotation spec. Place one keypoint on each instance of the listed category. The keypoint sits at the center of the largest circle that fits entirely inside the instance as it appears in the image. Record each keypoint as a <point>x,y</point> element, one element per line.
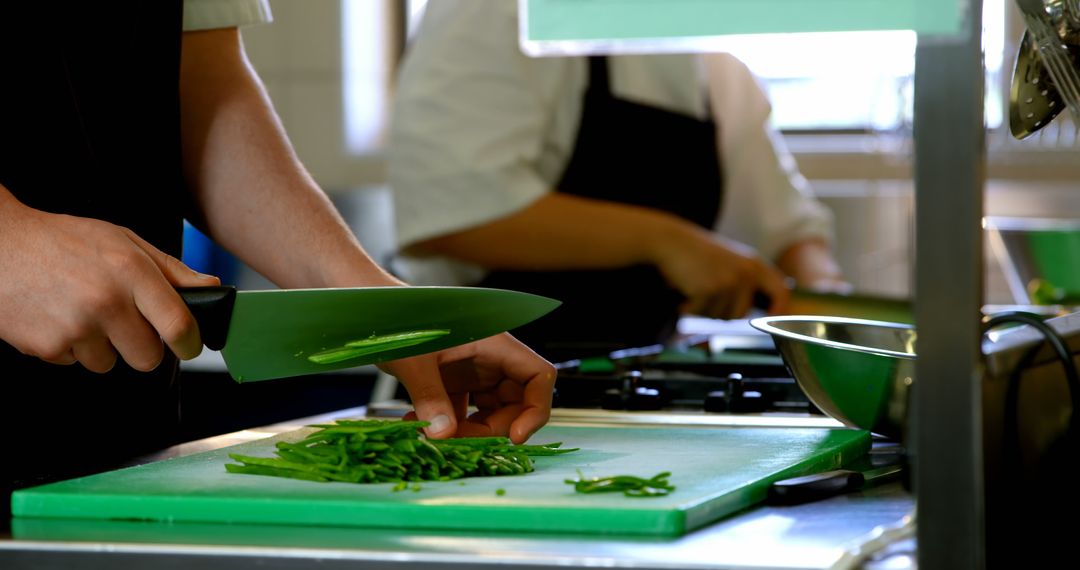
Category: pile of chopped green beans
<point>629,485</point>
<point>381,451</point>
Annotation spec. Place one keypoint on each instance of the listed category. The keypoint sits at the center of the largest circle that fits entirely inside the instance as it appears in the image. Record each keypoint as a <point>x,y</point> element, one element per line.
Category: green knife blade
<point>281,333</point>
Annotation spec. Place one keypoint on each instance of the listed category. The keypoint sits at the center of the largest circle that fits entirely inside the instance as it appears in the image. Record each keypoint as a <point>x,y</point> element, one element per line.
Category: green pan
<point>891,309</point>
<point>280,333</point>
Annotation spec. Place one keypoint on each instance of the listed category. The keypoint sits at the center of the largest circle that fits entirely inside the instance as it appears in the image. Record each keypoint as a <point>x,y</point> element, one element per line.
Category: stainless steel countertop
<point>808,536</point>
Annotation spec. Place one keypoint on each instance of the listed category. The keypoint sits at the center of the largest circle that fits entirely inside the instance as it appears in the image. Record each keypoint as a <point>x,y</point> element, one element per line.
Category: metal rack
<point>949,182</point>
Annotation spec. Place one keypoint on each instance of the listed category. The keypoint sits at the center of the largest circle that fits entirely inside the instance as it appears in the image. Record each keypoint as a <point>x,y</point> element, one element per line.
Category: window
<point>366,44</point>
<point>850,81</point>
<point>415,13</point>
<point>855,80</point>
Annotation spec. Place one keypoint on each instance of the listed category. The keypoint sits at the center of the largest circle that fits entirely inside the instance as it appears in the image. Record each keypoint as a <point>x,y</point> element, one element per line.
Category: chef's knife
<point>817,486</point>
<point>281,333</point>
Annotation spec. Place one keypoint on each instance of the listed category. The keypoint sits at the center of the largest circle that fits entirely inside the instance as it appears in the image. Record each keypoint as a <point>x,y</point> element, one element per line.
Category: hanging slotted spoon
<point>1033,100</point>
<point>1046,77</point>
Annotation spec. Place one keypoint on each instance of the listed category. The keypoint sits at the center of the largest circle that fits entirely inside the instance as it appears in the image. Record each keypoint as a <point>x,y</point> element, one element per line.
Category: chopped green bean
<point>629,485</point>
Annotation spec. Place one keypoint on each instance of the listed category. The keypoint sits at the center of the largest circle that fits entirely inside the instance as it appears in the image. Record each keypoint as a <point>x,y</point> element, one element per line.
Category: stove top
<point>690,375</point>
<point>715,373</point>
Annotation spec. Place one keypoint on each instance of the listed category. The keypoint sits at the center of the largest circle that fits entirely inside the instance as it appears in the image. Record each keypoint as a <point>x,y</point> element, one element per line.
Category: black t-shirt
<point>89,126</point>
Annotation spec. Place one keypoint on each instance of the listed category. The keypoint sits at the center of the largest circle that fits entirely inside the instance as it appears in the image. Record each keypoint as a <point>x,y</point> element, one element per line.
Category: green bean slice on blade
<point>374,344</point>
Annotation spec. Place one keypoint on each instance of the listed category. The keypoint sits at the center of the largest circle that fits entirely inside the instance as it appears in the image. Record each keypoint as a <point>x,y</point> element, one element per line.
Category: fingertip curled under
<point>148,365</point>
<point>98,367</point>
<point>189,352</point>
<point>208,280</point>
<point>441,426</point>
<point>519,434</point>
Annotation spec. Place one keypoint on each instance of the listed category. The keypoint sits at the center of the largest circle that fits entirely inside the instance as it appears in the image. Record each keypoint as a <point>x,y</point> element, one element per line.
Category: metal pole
<point>946,440</point>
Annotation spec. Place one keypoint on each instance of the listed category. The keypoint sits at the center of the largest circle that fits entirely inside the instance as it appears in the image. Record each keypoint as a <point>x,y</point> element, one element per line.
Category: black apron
<point>89,126</point>
<point>635,154</point>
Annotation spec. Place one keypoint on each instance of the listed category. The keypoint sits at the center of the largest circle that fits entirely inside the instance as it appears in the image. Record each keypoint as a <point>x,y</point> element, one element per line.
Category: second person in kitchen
<point>632,188</point>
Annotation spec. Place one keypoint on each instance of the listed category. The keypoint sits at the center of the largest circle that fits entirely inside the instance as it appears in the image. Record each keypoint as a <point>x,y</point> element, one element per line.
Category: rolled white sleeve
<point>468,123</point>
<point>215,14</point>
<point>768,203</point>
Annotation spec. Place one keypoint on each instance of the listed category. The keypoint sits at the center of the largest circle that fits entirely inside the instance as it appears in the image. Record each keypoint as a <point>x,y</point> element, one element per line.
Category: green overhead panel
<point>552,27</point>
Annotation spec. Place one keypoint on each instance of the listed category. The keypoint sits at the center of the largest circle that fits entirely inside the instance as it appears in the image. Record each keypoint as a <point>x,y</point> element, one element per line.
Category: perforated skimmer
<point>1046,79</point>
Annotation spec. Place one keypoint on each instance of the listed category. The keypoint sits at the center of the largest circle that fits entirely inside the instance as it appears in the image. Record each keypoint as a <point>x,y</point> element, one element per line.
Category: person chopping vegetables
<point>117,121</point>
<point>596,181</point>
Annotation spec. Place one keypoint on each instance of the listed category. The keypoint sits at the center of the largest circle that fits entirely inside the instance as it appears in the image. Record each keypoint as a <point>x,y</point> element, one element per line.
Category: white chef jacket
<point>213,14</point>
<point>479,131</point>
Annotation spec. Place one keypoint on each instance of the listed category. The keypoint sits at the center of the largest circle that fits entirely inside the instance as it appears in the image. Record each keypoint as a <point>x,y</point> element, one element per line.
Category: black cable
<point>1011,435</point>
<point>1050,495</point>
<point>1055,341</point>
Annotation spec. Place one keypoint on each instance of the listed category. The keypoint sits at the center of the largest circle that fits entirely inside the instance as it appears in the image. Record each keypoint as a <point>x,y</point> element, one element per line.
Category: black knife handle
<point>212,308</point>
<point>814,487</point>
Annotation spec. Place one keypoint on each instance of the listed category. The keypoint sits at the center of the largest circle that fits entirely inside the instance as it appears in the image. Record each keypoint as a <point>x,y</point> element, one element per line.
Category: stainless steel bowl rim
<point>1017,223</point>
<point>764,324</point>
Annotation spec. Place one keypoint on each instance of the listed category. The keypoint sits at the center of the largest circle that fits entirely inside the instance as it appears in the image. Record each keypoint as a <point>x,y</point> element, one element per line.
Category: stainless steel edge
<point>946,439</point>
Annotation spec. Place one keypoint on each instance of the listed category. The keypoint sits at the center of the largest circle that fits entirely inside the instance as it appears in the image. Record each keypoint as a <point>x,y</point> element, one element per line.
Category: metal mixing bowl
<point>857,371</point>
<point>1036,248</point>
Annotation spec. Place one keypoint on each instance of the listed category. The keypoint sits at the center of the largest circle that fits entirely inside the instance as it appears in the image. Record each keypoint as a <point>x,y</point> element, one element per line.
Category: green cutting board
<point>717,471</point>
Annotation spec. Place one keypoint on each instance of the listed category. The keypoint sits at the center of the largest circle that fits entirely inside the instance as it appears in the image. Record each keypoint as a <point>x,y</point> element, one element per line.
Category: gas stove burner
<point>687,379</point>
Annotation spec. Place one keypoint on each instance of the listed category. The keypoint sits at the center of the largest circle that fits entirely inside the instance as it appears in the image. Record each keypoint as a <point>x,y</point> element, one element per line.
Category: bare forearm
<point>257,199</point>
<point>563,232</point>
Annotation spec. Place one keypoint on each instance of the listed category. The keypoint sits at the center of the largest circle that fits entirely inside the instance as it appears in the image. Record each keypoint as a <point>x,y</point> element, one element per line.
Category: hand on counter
<point>719,277</point>
<point>811,264</point>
